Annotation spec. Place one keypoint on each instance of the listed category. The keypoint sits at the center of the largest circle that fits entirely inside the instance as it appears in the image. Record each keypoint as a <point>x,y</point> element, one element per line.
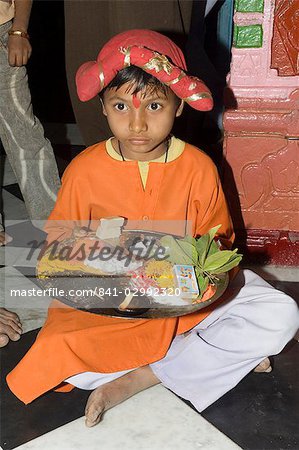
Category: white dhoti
<point>256,321</point>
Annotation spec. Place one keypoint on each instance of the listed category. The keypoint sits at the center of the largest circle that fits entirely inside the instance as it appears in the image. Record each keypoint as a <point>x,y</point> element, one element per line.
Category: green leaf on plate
<point>213,248</point>
<point>189,249</point>
<point>176,254</point>
<point>204,244</point>
<point>202,247</point>
<point>212,232</point>
<point>189,239</point>
<point>202,281</point>
<point>235,261</point>
<point>218,259</point>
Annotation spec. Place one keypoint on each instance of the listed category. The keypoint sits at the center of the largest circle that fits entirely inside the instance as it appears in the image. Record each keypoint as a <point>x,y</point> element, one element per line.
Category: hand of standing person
<point>19,47</point>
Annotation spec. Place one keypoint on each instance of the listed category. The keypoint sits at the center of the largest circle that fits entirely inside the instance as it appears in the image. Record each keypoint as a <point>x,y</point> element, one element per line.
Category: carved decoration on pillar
<point>285,41</point>
<point>276,188</point>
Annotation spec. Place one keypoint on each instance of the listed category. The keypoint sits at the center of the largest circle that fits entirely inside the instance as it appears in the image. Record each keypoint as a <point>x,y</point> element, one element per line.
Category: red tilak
<point>136,101</point>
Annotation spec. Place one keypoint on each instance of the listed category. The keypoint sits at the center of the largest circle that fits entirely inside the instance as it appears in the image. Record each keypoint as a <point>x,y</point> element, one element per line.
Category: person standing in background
<point>29,152</point>
<point>198,60</point>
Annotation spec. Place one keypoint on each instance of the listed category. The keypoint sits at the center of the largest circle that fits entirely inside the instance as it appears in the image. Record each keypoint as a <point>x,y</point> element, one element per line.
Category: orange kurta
<point>95,186</point>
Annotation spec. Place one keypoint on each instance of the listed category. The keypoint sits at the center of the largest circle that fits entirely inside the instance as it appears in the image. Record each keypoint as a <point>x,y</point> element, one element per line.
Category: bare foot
<point>4,238</point>
<point>10,327</point>
<point>264,366</point>
<point>115,392</point>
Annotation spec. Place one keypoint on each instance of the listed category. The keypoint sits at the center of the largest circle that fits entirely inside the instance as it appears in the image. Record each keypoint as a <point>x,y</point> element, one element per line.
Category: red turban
<point>152,52</point>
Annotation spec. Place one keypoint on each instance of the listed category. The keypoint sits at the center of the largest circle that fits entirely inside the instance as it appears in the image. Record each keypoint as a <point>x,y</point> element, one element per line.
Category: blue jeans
<point>29,152</point>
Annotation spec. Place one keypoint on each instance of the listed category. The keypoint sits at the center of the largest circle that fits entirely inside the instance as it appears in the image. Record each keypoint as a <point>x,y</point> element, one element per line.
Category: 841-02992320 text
<point>151,291</point>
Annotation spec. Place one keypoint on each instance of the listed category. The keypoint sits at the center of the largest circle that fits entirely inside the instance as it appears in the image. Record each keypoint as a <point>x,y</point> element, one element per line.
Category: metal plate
<point>80,283</point>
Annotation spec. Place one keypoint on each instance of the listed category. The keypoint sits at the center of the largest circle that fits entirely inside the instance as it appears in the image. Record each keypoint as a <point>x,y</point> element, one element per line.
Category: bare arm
<point>19,48</point>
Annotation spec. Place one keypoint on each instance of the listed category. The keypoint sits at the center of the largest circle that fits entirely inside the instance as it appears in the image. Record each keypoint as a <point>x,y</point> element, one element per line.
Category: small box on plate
<point>186,281</point>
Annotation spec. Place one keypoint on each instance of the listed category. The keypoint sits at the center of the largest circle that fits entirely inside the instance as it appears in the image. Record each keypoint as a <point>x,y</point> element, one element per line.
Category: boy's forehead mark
<point>136,101</point>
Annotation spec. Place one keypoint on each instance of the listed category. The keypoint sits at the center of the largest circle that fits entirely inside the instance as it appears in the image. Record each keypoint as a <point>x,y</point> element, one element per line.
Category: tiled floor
<point>261,413</point>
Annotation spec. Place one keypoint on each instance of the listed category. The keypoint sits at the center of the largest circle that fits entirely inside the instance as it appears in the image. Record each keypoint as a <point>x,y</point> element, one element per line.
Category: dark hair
<point>138,80</point>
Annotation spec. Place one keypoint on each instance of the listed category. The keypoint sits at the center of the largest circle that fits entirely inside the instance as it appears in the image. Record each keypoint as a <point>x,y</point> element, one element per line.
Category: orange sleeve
<point>72,205</point>
<point>210,206</point>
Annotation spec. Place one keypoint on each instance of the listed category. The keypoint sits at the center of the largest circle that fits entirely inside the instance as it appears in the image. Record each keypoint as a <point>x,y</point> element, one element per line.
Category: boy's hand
<point>19,50</point>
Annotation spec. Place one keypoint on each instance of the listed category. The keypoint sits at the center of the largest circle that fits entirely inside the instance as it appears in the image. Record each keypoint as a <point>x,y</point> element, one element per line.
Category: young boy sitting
<point>142,173</point>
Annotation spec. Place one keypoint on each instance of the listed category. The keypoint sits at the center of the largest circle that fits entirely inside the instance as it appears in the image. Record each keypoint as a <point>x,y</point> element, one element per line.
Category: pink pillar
<point>261,168</point>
